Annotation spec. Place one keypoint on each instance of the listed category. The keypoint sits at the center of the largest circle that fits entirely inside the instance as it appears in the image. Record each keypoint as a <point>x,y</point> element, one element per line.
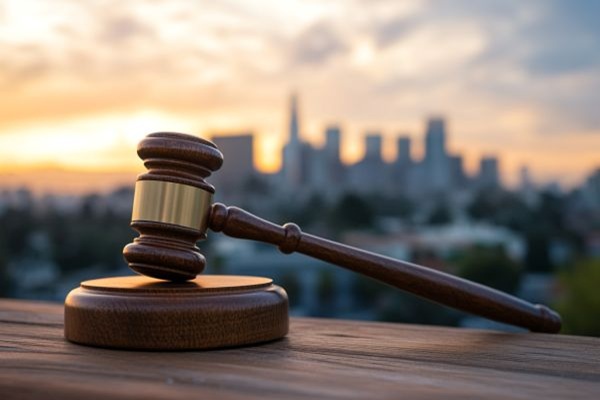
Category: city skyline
<point>432,138</point>
<point>83,83</point>
<point>308,169</point>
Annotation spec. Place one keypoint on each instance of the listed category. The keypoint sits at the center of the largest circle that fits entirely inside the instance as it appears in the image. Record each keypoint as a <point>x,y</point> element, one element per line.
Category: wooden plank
<point>319,359</point>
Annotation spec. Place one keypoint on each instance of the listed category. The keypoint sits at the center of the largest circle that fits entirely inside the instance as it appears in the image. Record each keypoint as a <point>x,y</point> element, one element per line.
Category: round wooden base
<point>211,311</point>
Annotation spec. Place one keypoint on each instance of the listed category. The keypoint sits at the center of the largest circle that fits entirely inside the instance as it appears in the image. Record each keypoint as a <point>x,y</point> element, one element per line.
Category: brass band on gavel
<point>171,203</point>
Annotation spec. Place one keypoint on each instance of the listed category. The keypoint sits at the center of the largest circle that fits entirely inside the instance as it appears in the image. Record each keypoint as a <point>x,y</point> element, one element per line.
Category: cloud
<point>123,28</point>
<point>365,63</point>
<point>27,62</point>
<point>317,44</point>
<point>553,61</point>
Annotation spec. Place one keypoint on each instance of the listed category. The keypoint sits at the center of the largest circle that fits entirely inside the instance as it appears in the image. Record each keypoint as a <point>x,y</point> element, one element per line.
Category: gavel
<point>173,209</point>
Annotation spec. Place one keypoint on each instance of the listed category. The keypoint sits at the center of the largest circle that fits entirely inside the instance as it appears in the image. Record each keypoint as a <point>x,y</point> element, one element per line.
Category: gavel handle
<point>434,285</point>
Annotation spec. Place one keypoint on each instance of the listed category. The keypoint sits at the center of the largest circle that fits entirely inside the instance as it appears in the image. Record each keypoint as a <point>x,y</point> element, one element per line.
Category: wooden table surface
<point>319,359</point>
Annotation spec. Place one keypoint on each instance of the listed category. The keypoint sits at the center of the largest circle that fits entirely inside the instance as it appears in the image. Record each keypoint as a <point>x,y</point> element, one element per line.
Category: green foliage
<point>541,224</point>
<point>78,239</point>
<point>4,279</point>
<point>490,266</point>
<point>501,208</point>
<point>17,224</point>
<point>545,223</point>
<point>392,206</point>
<point>255,185</point>
<point>326,288</point>
<point>537,257</point>
<point>580,307</point>
<point>440,215</point>
<point>292,286</point>
<point>314,211</point>
<point>86,239</point>
<point>352,212</point>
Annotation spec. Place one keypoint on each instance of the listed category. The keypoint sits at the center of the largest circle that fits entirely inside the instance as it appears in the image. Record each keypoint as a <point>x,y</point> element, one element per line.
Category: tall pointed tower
<point>292,169</point>
<point>294,124</point>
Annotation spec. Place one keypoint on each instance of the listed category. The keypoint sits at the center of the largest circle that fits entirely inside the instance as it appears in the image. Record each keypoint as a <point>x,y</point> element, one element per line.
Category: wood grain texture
<point>325,359</point>
<point>428,283</point>
<point>137,312</point>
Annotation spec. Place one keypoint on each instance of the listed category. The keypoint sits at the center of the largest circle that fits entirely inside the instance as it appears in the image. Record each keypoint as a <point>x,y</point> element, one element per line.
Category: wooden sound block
<point>211,311</point>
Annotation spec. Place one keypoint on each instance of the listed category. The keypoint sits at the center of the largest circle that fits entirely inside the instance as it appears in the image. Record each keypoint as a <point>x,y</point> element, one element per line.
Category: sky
<point>82,82</point>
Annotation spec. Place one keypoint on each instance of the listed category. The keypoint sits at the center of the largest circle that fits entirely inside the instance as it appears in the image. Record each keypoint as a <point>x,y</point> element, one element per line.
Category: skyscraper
<point>525,182</point>
<point>489,177</point>
<point>404,153</point>
<point>239,163</point>
<point>457,171</point>
<point>435,137</point>
<point>591,190</point>
<point>527,188</point>
<point>333,168</point>
<point>294,123</point>
<point>370,174</point>
<point>403,166</point>
<point>333,142</point>
<point>436,157</point>
<point>292,152</point>
<point>373,143</point>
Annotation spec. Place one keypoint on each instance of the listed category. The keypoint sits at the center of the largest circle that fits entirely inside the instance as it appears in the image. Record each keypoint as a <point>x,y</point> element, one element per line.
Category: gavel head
<point>171,205</point>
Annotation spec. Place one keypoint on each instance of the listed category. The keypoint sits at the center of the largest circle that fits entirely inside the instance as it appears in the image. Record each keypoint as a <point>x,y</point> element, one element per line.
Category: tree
<point>482,207</point>
<point>537,257</point>
<point>490,266</point>
<point>326,292</point>
<point>292,286</point>
<point>440,215</point>
<point>4,277</point>
<point>352,212</point>
<point>580,306</point>
<point>313,211</point>
<point>392,206</point>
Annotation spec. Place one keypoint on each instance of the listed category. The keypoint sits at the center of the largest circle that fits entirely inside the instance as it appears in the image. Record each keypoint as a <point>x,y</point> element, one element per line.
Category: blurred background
<point>464,136</point>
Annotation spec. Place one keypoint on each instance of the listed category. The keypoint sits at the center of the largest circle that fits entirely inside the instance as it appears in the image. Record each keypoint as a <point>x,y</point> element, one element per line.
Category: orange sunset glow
<point>83,82</point>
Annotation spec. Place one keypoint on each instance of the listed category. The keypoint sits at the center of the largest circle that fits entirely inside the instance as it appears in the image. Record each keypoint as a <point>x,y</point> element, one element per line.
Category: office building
<point>489,176</point>
<point>292,152</point>
<point>238,165</point>
<point>370,174</point>
<point>436,158</point>
<point>404,156</point>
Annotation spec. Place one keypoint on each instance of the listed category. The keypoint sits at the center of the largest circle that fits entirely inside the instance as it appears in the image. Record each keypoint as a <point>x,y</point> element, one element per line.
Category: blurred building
<point>307,170</point>
<point>458,177</point>
<point>436,158</point>
<point>315,174</point>
<point>322,168</point>
<point>591,190</point>
<point>292,152</point>
<point>404,156</point>
<point>527,189</point>
<point>333,140</point>
<point>403,165</point>
<point>333,154</point>
<point>238,167</point>
<point>489,176</point>
<point>370,174</point>
<point>373,145</point>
